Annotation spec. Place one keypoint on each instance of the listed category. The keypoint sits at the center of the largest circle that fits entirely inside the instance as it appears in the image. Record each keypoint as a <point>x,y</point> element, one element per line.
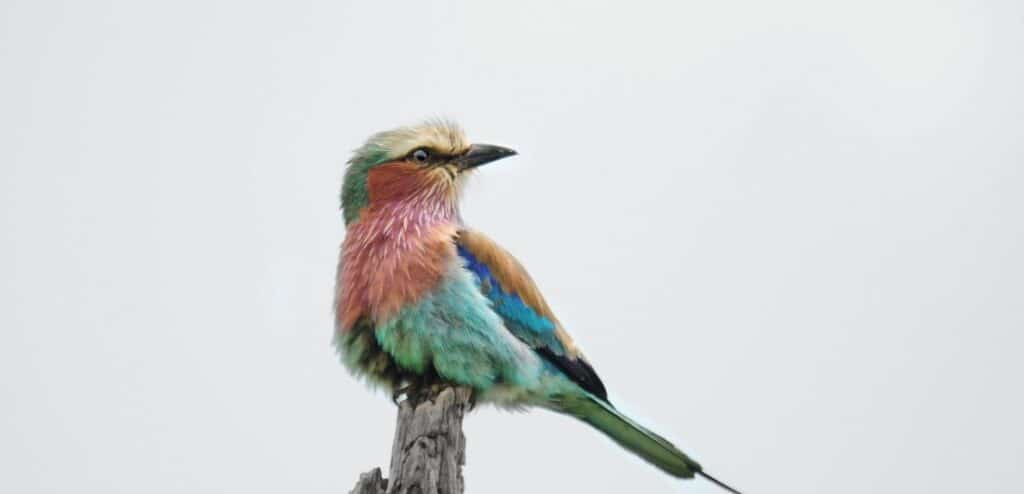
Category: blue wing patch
<point>533,328</point>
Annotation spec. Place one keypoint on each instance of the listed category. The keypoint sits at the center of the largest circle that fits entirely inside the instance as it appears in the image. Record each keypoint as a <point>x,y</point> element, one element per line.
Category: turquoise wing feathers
<point>516,299</point>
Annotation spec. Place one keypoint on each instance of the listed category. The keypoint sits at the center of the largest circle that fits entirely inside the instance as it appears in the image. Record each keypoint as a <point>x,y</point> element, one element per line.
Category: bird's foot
<point>415,391</point>
<point>396,395</point>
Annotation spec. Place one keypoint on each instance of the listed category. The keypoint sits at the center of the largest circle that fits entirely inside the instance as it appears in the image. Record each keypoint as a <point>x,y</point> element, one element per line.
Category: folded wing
<point>516,298</point>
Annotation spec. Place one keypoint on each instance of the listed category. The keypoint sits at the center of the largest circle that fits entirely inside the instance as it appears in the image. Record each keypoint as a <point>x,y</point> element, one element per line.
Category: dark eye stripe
<point>427,156</point>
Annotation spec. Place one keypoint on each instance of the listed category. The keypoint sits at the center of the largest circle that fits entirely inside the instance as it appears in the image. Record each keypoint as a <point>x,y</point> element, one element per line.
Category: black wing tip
<point>717,482</point>
<point>578,370</point>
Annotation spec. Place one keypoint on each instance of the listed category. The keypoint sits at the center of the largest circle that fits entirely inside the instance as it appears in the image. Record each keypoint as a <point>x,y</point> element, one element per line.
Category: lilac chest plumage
<point>397,251</point>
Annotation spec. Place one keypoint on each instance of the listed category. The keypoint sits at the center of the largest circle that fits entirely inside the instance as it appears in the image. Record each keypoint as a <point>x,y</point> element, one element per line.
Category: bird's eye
<point>421,155</point>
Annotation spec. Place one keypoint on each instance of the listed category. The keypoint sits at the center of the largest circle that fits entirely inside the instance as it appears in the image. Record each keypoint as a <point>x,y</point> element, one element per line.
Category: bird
<point>422,298</point>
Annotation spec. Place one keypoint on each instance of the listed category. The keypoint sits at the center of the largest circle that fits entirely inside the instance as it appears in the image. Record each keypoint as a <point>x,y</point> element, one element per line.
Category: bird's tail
<point>634,437</point>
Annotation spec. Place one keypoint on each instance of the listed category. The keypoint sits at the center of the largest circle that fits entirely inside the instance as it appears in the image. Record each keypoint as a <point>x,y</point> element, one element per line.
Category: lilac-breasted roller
<point>422,298</point>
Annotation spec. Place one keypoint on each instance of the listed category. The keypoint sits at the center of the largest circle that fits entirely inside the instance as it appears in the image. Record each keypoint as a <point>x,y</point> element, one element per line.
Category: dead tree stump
<point>429,447</point>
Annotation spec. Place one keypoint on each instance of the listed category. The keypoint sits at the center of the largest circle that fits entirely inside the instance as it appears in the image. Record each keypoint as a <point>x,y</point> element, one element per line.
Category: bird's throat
<point>391,257</point>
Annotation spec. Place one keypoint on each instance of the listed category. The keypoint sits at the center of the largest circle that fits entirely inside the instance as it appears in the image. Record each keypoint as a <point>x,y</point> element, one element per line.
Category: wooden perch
<point>429,447</point>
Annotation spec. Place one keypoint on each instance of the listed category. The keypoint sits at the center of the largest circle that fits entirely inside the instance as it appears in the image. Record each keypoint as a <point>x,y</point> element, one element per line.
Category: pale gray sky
<point>788,235</point>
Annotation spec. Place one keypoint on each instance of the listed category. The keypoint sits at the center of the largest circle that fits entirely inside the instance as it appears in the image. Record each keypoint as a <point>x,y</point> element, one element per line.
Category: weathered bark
<point>371,483</point>
<point>429,447</point>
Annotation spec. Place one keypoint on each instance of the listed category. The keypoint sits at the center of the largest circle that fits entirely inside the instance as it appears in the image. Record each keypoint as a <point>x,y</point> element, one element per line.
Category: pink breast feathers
<point>396,252</point>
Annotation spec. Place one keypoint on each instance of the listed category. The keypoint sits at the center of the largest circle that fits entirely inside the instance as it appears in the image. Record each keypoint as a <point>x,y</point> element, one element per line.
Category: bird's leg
<point>425,386</point>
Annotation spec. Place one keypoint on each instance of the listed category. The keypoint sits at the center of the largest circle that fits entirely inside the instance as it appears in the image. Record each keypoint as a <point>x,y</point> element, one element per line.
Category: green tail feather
<point>630,435</point>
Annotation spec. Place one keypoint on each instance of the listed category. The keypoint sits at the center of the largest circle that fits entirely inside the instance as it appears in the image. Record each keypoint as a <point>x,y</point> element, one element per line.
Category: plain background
<point>788,234</point>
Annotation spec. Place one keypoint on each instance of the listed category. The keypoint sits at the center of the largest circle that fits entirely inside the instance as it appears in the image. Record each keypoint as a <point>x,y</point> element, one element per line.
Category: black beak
<point>480,154</point>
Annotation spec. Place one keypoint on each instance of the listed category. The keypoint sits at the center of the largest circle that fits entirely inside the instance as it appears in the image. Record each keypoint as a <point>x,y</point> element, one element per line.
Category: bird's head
<point>425,162</point>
